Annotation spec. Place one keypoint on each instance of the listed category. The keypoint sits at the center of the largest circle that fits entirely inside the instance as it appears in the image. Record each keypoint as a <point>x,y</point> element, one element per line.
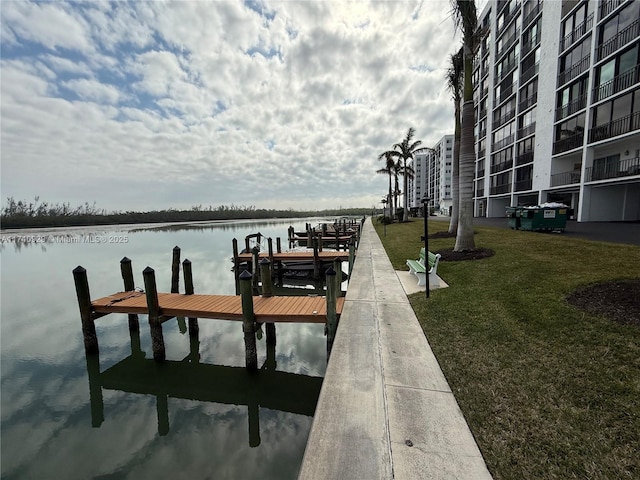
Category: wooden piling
<point>352,256</point>
<point>188,290</point>
<point>278,245</point>
<point>151,292</point>
<point>267,289</point>
<point>332,318</point>
<point>248,321</point>
<point>255,252</point>
<point>316,260</point>
<point>175,270</point>
<point>84,303</point>
<point>129,285</point>
<point>337,266</point>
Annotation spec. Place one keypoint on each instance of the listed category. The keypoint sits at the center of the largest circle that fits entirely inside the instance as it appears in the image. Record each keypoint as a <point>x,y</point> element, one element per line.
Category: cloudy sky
<point>154,105</point>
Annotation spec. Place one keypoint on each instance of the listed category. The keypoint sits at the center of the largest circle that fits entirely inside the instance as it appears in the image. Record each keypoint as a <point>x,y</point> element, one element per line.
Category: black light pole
<point>425,210</point>
<point>384,215</point>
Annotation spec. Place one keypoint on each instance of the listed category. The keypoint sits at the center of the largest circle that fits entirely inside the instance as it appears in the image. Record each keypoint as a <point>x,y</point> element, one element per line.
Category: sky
<point>141,106</point>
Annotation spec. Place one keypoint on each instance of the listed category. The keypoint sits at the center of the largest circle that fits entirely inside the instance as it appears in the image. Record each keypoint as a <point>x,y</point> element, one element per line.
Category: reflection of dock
<point>188,379</point>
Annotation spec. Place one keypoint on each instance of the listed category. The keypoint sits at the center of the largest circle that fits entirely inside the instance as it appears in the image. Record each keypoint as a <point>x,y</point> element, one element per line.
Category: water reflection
<point>47,411</point>
<point>190,380</point>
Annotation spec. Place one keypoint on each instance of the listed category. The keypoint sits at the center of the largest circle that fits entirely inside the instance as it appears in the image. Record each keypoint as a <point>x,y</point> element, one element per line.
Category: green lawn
<point>548,390</point>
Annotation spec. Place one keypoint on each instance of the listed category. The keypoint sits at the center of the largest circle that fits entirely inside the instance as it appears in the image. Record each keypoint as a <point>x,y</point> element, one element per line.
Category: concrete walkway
<point>385,410</point>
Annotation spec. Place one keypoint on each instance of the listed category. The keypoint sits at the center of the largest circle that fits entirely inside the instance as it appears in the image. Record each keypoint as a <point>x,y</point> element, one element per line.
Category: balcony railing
<point>482,114</point>
<point>622,38</point>
<point>507,69</point>
<point>529,73</point>
<point>574,141</point>
<point>613,169</point>
<point>482,133</point>
<point>531,15</point>
<point>498,122</point>
<point>528,130</point>
<point>608,6</point>
<point>507,43</point>
<point>480,173</point>
<point>504,142</point>
<point>573,71</point>
<point>617,84</point>
<point>564,178</point>
<point>524,158</point>
<point>527,46</point>
<point>617,127</point>
<point>509,16</point>
<point>500,189</point>
<point>506,94</point>
<point>522,185</point>
<point>501,167</point>
<point>571,107</point>
<point>577,33</point>
<point>480,192</point>
<point>527,102</point>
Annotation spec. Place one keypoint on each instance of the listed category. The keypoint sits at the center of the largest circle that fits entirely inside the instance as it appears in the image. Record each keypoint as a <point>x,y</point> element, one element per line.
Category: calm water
<point>198,415</point>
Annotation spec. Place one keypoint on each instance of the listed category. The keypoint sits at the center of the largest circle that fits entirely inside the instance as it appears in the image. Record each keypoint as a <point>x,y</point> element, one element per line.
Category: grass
<point>548,390</point>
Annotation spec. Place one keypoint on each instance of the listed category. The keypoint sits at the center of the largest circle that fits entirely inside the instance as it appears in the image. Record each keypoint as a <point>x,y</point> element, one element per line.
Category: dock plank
<point>224,307</point>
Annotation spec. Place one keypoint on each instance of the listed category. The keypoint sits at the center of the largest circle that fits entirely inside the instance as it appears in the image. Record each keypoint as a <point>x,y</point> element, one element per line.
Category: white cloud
<point>216,103</point>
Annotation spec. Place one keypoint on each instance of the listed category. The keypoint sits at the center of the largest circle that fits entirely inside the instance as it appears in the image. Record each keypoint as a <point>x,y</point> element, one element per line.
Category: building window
<point>616,117</point>
<point>617,74</point>
<point>619,30</point>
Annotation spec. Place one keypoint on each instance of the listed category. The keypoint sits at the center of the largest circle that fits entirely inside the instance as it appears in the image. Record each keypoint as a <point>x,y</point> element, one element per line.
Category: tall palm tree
<point>454,84</point>
<point>388,169</point>
<point>465,18</point>
<point>405,151</point>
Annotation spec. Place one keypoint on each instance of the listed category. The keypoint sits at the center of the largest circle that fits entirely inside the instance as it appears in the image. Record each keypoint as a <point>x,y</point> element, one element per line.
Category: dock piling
<point>248,321</point>
<point>332,318</point>
<point>175,270</point>
<point>267,291</point>
<point>151,292</point>
<point>126,270</point>
<point>188,290</point>
<point>84,303</point>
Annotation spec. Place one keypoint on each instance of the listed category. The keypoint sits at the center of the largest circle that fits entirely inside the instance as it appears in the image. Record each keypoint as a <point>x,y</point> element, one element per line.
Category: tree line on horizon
<point>25,214</point>
<point>459,78</point>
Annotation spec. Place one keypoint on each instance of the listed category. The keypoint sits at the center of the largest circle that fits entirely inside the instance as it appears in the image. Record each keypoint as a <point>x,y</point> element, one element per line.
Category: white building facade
<point>432,177</point>
<point>557,95</point>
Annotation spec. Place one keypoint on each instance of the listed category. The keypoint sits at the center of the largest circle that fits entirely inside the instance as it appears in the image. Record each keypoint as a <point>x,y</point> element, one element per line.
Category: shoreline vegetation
<point>548,389</point>
<point>40,214</point>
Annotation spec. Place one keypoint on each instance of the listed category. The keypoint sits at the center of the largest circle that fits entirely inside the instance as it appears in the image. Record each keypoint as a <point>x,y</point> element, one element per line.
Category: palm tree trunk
<point>405,215</point>
<point>390,198</point>
<point>455,173</point>
<point>464,238</point>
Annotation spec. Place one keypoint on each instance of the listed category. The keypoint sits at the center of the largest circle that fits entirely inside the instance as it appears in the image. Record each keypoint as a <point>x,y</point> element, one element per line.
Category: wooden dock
<point>325,256</point>
<point>223,307</point>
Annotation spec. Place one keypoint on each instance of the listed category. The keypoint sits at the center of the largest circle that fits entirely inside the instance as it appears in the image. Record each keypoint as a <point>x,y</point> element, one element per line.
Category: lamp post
<point>384,215</point>
<point>425,211</point>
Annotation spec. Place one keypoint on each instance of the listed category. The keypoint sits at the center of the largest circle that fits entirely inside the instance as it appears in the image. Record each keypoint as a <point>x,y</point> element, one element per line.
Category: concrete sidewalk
<point>385,410</point>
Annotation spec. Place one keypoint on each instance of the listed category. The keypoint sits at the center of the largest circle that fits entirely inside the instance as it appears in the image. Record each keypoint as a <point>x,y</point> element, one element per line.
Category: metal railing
<point>507,69</point>
<point>613,169</point>
<point>498,122</point>
<point>504,142</point>
<point>507,43</point>
<point>528,130</point>
<point>577,33</point>
<point>620,126</point>
<point>531,15</point>
<point>621,38</point>
<point>575,70</point>
<point>500,189</point>
<point>564,178</point>
<point>617,84</point>
<point>524,158</point>
<point>502,166</point>
<point>522,185</point>
<point>527,46</point>
<point>529,73</point>
<point>572,107</point>
<point>527,102</point>
<point>608,6</point>
<point>569,143</point>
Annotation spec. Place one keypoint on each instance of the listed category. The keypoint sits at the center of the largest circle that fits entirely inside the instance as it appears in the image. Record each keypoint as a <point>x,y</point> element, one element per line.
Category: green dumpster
<point>513,216</point>
<point>543,218</point>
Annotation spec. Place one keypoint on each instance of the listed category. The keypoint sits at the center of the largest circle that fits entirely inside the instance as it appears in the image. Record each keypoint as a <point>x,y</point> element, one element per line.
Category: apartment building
<point>557,95</point>
<point>432,177</point>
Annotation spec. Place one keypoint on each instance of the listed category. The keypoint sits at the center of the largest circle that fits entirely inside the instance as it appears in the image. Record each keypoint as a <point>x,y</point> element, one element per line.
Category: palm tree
<point>405,151</point>
<point>388,169</point>
<point>465,17</point>
<point>454,83</point>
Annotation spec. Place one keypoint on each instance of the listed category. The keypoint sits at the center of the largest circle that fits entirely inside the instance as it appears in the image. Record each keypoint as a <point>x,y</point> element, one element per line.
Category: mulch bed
<point>618,300</point>
<point>448,255</point>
